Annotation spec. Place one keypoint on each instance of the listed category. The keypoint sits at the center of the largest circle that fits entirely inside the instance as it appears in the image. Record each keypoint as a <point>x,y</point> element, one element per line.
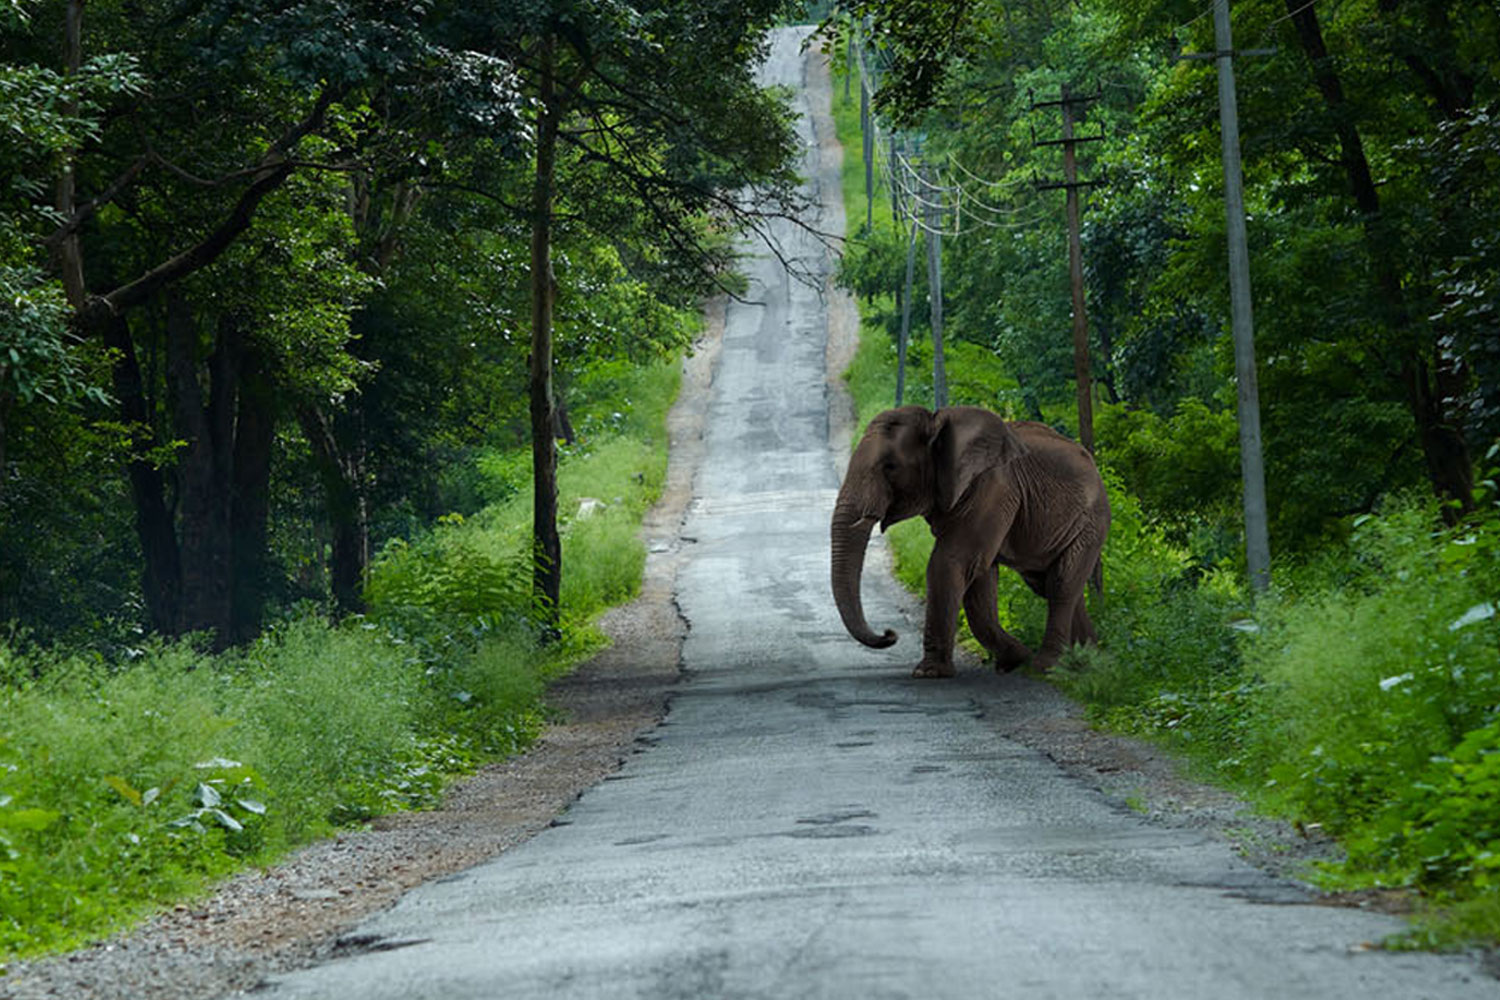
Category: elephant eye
<point>888,466</point>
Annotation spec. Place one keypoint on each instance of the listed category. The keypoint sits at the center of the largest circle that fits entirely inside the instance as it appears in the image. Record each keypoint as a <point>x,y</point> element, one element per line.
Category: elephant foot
<point>1046,659</point>
<point>932,668</point>
<point>1012,658</point>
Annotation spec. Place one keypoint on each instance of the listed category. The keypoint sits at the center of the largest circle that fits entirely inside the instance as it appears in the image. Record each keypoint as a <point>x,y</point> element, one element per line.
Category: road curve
<point>809,822</point>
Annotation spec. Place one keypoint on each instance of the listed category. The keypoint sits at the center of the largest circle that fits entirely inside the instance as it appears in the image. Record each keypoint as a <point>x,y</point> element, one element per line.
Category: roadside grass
<point>129,785</point>
<point>1362,695</point>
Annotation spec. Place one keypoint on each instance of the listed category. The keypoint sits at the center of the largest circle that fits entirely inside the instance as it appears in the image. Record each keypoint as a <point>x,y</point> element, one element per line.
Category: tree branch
<point>273,171</point>
<point>82,213</point>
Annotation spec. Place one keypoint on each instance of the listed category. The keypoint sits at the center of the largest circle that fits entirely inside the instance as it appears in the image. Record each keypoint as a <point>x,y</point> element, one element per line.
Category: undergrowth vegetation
<point>1361,696</point>
<point>129,782</point>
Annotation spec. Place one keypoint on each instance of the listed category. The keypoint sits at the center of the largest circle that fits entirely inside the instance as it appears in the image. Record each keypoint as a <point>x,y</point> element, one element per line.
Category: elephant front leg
<point>946,584</point>
<point>980,604</point>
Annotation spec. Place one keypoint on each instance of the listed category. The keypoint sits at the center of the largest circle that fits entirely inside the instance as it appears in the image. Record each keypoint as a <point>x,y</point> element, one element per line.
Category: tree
<point>648,129</point>
<point>150,214</point>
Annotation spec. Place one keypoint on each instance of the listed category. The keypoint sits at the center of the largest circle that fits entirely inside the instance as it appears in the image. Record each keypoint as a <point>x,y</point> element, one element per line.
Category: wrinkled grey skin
<point>994,494</point>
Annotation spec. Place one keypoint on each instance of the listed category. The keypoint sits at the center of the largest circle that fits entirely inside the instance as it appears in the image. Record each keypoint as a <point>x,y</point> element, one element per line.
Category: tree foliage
<point>267,275</point>
<point>1371,184</point>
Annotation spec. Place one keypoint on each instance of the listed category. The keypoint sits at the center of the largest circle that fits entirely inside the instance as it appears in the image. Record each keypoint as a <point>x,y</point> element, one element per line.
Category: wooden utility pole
<point>1252,467</point>
<point>934,215</point>
<point>911,261</point>
<point>1081,368</point>
<point>546,542</point>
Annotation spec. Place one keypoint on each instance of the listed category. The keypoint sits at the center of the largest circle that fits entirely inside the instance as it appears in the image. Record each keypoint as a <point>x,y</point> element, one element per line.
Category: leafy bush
<point>1185,468</point>
<point>1442,830</point>
<point>447,575</point>
<point>1365,683</point>
<point>1169,661</point>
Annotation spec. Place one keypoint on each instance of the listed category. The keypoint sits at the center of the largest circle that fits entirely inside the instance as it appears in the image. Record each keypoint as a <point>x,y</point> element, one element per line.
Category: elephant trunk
<point>850,535</point>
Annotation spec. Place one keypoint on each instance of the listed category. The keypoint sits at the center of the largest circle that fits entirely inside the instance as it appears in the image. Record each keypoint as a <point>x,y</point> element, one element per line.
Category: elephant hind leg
<point>1037,581</point>
<point>1067,617</point>
<point>980,606</point>
<point>1083,626</point>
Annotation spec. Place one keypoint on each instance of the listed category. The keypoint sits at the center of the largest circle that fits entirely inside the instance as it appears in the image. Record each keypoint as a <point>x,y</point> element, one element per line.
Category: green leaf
<point>225,820</point>
<point>29,819</point>
<point>124,787</point>
<point>207,796</point>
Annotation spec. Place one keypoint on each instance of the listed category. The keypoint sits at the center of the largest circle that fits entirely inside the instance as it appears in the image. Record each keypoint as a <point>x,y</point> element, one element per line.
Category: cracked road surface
<point>810,822</point>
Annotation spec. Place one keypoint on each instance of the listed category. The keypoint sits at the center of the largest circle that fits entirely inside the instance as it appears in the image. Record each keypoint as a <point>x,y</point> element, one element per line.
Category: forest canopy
<point>272,275</point>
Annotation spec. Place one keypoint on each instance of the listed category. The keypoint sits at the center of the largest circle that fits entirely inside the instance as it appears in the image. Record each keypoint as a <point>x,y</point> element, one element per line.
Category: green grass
<point>127,786</point>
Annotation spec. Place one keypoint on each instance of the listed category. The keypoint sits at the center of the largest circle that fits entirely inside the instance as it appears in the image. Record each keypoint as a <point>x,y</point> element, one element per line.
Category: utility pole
<point>1252,467</point>
<point>911,261</point>
<point>935,290</point>
<point>1081,369</point>
<point>867,134</point>
<point>866,120</point>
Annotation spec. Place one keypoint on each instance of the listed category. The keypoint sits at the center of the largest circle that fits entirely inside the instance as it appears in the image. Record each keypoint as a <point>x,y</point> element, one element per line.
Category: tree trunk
<point>161,577</point>
<point>5,401</point>
<point>546,543</point>
<point>67,252</point>
<point>1423,372</point>
<point>250,506</point>
<point>203,471</point>
<point>348,557</point>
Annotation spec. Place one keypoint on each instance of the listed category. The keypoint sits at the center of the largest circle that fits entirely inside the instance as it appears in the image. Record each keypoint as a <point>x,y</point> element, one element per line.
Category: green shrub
<point>1184,468</point>
<point>1367,682</point>
<point>1442,830</point>
<point>448,576</point>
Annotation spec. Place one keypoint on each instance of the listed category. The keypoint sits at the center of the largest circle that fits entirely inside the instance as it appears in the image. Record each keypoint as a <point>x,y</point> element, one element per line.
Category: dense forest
<point>1361,693</point>
<point>271,273</point>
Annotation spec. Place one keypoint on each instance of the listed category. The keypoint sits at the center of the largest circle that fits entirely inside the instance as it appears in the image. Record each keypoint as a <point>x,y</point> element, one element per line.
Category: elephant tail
<point>1097,578</point>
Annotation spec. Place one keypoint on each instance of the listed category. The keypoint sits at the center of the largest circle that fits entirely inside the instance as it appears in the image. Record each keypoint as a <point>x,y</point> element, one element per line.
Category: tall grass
<point>125,785</point>
<point>1380,712</point>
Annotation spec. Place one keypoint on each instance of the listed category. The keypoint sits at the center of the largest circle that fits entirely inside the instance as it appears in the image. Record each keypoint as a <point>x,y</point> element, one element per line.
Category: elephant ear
<point>966,442</point>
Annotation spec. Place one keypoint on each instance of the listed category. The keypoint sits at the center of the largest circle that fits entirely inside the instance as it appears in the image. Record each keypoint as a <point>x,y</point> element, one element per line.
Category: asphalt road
<point>810,822</point>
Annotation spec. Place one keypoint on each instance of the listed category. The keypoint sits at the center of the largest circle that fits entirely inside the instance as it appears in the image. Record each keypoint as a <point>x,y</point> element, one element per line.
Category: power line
<point>1287,16</point>
<point>1205,12</point>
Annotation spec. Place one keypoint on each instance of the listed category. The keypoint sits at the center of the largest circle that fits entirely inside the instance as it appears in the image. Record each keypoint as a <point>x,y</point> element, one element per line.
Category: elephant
<point>994,493</point>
